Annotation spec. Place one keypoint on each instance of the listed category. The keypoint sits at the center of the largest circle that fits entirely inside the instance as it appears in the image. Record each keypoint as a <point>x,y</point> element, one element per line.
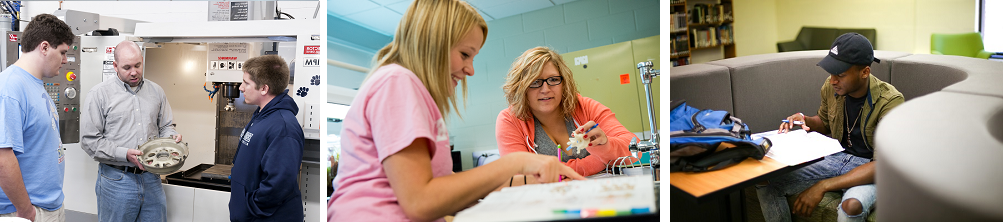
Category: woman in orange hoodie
<point>545,110</point>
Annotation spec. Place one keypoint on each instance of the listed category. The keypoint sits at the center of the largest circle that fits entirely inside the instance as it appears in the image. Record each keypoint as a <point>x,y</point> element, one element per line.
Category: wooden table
<point>707,185</point>
<point>717,195</point>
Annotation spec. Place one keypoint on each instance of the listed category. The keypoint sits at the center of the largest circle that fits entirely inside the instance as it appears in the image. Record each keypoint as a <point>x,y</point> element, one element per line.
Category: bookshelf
<point>701,25</point>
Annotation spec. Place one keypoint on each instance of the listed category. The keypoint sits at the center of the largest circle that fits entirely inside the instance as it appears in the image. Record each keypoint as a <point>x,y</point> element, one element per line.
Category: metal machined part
<point>163,156</point>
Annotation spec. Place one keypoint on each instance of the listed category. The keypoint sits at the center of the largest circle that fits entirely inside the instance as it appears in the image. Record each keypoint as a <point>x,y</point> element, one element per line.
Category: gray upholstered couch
<point>941,153</point>
<point>817,38</point>
<point>763,89</point>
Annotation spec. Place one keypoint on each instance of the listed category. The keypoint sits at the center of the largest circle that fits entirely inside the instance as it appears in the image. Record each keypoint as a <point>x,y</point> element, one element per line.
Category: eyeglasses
<point>553,81</point>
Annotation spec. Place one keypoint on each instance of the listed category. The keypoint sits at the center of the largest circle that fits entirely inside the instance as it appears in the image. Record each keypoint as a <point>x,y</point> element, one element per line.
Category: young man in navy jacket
<point>263,179</point>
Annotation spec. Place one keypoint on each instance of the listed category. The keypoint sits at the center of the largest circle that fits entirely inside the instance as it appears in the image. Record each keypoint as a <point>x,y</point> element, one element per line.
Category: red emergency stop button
<point>70,76</point>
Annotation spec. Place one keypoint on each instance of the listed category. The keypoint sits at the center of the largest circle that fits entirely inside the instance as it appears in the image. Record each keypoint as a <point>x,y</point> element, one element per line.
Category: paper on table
<point>553,201</point>
<point>796,147</point>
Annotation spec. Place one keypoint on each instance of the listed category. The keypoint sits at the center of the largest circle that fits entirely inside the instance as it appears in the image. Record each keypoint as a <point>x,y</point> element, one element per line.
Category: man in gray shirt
<point>119,115</point>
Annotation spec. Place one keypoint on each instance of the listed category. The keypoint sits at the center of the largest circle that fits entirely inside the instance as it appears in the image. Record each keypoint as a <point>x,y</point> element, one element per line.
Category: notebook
<point>601,197</point>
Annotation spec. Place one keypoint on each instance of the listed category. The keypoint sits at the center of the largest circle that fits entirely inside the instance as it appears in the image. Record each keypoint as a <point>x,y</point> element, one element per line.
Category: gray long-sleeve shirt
<point>114,119</point>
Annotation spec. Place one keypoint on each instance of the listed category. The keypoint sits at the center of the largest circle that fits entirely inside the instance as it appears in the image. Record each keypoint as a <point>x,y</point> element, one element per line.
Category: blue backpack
<point>706,140</point>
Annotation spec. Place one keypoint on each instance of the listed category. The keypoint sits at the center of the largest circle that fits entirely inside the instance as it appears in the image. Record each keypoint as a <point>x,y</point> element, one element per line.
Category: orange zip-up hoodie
<point>514,135</point>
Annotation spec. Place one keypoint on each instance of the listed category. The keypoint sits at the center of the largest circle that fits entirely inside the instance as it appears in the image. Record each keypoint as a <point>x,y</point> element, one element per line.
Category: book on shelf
<point>681,61</point>
<point>704,37</point>
<point>697,13</point>
<point>726,34</point>
<point>680,45</point>
<point>678,21</point>
<point>710,14</point>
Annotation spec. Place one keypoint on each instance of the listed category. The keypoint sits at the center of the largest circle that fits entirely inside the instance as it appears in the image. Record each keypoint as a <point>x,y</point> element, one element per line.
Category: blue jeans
<point>773,196</point>
<point>129,197</point>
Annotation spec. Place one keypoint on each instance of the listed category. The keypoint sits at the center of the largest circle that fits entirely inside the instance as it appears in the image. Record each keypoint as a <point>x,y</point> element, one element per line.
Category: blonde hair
<point>424,38</point>
<point>526,69</point>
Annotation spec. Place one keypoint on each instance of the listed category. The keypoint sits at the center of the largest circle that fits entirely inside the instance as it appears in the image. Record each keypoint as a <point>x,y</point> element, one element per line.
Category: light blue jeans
<point>129,197</point>
<point>773,200</point>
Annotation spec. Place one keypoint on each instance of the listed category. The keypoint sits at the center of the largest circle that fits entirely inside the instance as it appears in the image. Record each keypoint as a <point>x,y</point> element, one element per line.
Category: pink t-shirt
<point>391,110</point>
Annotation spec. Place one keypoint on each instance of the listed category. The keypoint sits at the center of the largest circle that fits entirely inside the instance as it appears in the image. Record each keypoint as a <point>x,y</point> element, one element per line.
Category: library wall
<point>902,25</point>
<point>755,27</point>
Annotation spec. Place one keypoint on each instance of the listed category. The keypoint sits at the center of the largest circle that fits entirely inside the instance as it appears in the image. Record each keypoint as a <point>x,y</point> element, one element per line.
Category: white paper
<point>796,147</point>
<point>537,202</point>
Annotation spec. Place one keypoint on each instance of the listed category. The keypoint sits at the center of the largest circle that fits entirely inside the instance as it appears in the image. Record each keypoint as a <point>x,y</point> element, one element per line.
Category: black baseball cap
<point>849,49</point>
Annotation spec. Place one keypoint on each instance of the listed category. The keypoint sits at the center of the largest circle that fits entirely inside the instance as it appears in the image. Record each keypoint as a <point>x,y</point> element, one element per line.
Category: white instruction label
<point>311,62</point>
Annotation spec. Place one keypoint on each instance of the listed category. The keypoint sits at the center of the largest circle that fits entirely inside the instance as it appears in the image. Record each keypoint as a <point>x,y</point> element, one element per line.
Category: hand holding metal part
<point>163,155</point>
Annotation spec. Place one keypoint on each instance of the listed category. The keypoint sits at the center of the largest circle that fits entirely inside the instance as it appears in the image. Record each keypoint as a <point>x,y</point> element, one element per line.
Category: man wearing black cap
<point>852,103</point>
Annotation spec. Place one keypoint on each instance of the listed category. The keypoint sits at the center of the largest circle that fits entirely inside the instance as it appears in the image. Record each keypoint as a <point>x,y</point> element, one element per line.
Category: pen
<point>559,178</point>
<point>795,122</point>
<point>593,127</point>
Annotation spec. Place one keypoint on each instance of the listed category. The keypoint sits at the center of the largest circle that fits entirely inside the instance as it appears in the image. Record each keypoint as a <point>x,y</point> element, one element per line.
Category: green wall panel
<point>599,78</point>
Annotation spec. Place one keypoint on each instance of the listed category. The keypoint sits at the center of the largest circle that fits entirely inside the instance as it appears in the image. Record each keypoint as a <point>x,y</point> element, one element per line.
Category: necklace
<point>846,118</point>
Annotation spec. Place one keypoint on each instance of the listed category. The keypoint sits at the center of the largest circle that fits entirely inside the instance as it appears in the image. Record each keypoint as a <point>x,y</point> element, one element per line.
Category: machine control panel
<point>63,89</point>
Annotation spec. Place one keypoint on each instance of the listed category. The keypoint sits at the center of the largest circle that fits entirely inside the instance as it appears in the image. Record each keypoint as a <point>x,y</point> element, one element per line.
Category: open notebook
<point>612,196</point>
<point>798,146</point>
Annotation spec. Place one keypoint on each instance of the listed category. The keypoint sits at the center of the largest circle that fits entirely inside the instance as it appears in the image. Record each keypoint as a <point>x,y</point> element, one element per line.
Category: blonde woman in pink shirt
<point>545,110</point>
<point>395,162</point>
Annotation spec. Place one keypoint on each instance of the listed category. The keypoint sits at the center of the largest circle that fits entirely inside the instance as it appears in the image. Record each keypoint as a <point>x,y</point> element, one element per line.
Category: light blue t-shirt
<point>28,124</point>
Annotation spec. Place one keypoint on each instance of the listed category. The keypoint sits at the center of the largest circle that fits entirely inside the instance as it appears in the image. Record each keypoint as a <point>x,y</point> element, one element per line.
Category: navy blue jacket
<point>263,184</point>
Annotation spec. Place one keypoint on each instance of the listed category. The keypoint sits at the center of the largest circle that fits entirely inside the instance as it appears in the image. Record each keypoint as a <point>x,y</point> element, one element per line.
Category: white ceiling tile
<point>516,7</point>
<point>379,19</point>
<point>400,7</point>
<point>348,7</point>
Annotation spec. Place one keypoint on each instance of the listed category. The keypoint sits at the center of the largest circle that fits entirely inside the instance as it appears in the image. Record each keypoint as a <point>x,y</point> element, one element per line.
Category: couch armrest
<point>983,54</point>
<point>789,46</point>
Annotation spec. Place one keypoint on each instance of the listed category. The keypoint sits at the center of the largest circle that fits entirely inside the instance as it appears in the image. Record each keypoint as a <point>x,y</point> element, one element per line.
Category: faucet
<point>650,146</point>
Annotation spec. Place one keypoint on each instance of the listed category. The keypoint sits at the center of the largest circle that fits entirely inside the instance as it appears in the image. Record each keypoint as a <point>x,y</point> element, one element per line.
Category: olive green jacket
<point>881,98</point>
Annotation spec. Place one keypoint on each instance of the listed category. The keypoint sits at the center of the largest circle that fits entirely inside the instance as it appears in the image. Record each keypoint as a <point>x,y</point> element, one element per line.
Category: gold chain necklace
<point>846,118</point>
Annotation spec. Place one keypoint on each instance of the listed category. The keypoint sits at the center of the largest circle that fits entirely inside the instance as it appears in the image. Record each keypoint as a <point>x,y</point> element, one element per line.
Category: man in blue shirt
<point>31,152</point>
<point>263,184</point>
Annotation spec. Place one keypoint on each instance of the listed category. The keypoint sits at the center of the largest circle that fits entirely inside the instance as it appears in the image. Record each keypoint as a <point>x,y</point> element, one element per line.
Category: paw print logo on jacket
<point>302,91</point>
<point>315,80</point>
